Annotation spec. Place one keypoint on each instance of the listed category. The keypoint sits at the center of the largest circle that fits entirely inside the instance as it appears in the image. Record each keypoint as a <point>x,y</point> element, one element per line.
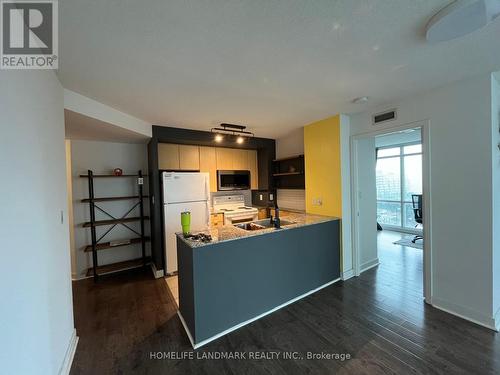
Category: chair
<point>416,200</point>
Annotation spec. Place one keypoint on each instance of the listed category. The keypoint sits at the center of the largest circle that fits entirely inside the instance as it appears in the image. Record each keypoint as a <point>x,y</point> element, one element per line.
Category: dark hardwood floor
<point>378,318</point>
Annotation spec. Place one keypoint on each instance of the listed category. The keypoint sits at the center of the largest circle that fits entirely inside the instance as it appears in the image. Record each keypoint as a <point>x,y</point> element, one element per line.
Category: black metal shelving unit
<point>97,245</point>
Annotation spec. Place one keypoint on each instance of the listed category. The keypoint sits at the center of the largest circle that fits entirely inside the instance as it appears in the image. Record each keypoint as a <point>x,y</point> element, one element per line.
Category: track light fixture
<point>231,129</point>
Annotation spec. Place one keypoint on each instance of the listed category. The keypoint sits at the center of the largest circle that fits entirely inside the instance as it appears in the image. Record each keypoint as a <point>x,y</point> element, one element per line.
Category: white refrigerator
<point>183,192</point>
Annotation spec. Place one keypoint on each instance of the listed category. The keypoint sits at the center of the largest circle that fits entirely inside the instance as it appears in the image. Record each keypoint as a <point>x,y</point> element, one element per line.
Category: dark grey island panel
<point>228,283</point>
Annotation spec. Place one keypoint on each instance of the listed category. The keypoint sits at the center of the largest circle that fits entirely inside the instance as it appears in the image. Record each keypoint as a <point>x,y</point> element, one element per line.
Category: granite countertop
<point>230,232</point>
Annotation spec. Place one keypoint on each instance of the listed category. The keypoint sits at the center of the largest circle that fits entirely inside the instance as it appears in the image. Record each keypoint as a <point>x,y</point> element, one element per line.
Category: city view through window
<point>398,176</point>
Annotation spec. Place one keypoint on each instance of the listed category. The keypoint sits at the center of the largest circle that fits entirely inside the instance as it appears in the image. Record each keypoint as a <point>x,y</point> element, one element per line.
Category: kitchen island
<point>242,275</point>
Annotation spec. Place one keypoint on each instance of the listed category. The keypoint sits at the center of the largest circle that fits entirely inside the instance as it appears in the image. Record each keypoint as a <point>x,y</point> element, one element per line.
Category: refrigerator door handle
<point>207,211</point>
<point>207,187</point>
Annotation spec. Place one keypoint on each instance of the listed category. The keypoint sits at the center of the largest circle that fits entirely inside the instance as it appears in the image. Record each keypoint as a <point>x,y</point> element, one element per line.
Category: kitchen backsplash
<point>293,199</point>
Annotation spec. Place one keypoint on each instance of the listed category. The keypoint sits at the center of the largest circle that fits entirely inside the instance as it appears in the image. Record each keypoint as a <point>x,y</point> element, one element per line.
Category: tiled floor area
<point>173,286</point>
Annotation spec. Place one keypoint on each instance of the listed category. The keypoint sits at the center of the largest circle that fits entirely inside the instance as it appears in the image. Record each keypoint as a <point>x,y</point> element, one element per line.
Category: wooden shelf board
<point>106,245</point>
<point>114,221</point>
<point>106,199</point>
<point>111,175</point>
<point>287,174</point>
<point>290,158</point>
<point>117,267</point>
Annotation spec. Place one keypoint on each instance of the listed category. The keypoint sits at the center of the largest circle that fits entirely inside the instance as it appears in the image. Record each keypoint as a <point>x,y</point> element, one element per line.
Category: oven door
<point>238,219</point>
<point>233,180</point>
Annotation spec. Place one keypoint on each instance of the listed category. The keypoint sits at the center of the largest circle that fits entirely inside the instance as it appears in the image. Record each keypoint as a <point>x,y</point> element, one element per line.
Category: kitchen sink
<point>262,224</point>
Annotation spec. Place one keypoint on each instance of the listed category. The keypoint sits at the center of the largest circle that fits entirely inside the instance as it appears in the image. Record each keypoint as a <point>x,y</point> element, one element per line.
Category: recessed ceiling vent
<point>384,117</point>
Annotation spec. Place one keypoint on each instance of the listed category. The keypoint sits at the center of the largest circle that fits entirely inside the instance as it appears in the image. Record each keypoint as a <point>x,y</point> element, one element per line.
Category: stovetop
<point>200,237</point>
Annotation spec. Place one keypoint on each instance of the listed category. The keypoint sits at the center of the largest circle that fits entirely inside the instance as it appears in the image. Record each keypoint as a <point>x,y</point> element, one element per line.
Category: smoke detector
<point>460,18</point>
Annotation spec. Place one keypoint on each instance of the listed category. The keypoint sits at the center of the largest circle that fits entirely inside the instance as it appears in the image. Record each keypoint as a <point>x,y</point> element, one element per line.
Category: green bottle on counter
<point>186,222</point>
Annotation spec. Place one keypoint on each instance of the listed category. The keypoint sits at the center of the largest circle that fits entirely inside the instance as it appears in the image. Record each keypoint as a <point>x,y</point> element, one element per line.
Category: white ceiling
<point>78,126</point>
<point>272,65</point>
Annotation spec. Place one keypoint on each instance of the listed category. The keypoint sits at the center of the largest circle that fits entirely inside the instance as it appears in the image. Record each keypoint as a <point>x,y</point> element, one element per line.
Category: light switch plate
<point>317,201</point>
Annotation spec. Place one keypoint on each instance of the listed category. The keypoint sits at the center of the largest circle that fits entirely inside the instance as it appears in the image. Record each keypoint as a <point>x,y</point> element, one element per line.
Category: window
<point>398,176</point>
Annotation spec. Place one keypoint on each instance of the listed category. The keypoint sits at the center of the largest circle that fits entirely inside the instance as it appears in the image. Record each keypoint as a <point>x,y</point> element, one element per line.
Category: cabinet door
<point>252,167</point>
<point>263,213</point>
<point>240,159</point>
<point>208,163</point>
<point>224,158</point>
<point>189,157</point>
<point>168,156</point>
<point>217,220</point>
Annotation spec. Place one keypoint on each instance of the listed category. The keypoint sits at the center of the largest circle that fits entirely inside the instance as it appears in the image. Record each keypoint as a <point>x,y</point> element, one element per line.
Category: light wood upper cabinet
<point>189,157</point>
<point>208,159</point>
<point>240,161</point>
<point>168,156</point>
<point>208,163</point>
<point>252,167</point>
<point>224,158</point>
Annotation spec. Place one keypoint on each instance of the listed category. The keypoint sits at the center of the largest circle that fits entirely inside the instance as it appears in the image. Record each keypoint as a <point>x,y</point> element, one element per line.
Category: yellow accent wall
<point>322,167</point>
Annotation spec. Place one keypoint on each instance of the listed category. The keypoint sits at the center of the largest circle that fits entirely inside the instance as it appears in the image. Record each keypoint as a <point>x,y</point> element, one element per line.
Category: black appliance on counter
<point>263,198</point>
<point>233,180</point>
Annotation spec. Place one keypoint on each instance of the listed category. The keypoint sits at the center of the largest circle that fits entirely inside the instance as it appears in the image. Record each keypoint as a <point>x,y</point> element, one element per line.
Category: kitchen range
<point>234,209</point>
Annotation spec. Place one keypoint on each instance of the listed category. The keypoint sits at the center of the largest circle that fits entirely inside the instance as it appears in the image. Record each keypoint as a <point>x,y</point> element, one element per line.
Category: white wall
<point>345,171</point>
<point>495,129</point>
<point>91,108</point>
<point>36,314</point>
<point>71,223</point>
<point>290,145</point>
<point>102,158</point>
<point>367,203</point>
<point>461,186</point>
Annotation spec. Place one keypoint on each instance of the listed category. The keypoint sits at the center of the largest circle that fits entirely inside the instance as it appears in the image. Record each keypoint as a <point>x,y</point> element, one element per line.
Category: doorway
<point>391,202</point>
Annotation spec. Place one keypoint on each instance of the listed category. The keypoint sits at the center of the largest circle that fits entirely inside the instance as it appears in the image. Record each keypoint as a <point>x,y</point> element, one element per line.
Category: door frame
<point>424,125</point>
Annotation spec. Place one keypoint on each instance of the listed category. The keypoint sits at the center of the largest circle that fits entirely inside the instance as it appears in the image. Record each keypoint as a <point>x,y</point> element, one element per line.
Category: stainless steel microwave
<point>233,180</point>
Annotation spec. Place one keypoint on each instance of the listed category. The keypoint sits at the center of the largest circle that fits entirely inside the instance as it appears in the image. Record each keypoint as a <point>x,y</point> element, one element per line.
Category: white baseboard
<point>225,332</point>
<point>83,277</point>
<point>497,320</point>
<point>184,324</point>
<point>70,354</point>
<point>156,273</point>
<point>348,274</point>
<point>368,265</point>
<point>465,313</point>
